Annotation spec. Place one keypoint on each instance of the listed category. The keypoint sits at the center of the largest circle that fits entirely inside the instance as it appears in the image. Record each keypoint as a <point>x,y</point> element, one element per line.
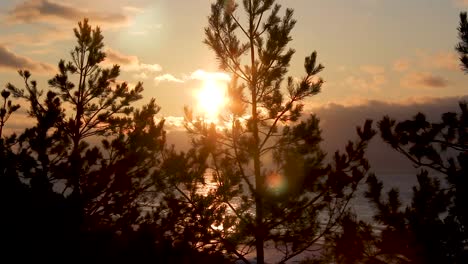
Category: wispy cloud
<point>55,12</point>
<point>199,75</point>
<point>143,67</point>
<point>113,56</point>
<point>20,120</point>
<point>133,9</point>
<point>51,21</point>
<point>140,75</point>
<point>446,60</point>
<point>401,65</point>
<point>439,60</point>
<point>370,79</point>
<point>13,62</point>
<point>167,78</point>
<point>366,84</point>
<point>423,80</point>
<point>130,63</point>
<point>39,37</point>
<point>174,122</point>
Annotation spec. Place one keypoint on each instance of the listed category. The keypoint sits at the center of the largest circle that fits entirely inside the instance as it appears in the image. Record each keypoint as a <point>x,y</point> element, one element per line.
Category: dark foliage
<point>74,185</point>
<point>259,181</point>
<point>434,227</point>
<point>462,46</point>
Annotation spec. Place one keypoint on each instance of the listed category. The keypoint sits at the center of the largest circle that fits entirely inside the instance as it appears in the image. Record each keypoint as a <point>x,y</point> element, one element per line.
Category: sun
<point>212,98</point>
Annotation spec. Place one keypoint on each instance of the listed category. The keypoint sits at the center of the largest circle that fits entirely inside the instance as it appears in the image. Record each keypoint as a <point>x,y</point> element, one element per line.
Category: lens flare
<point>276,183</point>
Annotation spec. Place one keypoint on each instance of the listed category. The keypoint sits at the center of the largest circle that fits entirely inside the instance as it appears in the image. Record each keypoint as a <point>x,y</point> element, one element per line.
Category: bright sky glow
<point>381,50</point>
<point>212,98</point>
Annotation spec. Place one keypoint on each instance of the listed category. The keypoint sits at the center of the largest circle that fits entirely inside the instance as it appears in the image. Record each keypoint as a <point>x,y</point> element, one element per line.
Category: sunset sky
<point>395,51</point>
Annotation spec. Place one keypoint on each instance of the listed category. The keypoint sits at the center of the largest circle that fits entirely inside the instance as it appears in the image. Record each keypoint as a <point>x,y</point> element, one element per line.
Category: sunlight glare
<point>211,98</point>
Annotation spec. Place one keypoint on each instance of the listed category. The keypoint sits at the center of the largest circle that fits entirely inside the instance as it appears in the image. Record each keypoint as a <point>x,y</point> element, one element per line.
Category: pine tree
<point>269,186</point>
<point>436,221</point>
<point>433,227</point>
<point>90,156</point>
<point>7,108</point>
<point>462,46</point>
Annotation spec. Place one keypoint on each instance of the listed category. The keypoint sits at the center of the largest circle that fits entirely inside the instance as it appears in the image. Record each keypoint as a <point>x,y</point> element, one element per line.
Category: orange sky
<point>387,50</point>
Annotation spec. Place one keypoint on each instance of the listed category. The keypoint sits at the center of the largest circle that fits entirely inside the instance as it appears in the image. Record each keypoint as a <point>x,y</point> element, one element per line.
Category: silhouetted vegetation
<point>73,184</point>
<point>433,227</point>
<point>260,180</point>
<point>92,179</point>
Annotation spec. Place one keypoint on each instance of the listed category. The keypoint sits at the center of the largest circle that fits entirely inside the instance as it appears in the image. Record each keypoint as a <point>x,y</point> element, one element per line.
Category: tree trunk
<point>259,230</point>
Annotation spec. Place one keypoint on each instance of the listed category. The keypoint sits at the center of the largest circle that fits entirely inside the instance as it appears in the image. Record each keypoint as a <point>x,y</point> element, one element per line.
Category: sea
<point>404,182</point>
<point>364,210</point>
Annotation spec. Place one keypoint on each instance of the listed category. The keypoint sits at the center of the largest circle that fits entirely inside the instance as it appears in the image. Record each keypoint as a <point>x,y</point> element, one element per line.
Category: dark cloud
<point>116,57</point>
<point>434,81</point>
<point>339,125</point>
<point>423,80</point>
<point>12,61</point>
<point>48,11</point>
<point>129,62</point>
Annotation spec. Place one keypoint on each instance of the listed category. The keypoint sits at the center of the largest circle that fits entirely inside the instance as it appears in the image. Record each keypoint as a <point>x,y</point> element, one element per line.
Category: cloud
<point>204,75</point>
<point>373,83</point>
<point>338,123</point>
<point>130,63</point>
<point>38,37</point>
<point>50,11</point>
<point>199,75</point>
<point>439,60</point>
<point>11,61</point>
<point>113,56</point>
<point>401,65</point>
<point>423,80</point>
<point>133,9</point>
<point>168,78</point>
<point>372,79</point>
<point>140,75</point>
<point>446,60</point>
<point>143,67</point>
<point>174,122</point>
<point>18,121</point>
